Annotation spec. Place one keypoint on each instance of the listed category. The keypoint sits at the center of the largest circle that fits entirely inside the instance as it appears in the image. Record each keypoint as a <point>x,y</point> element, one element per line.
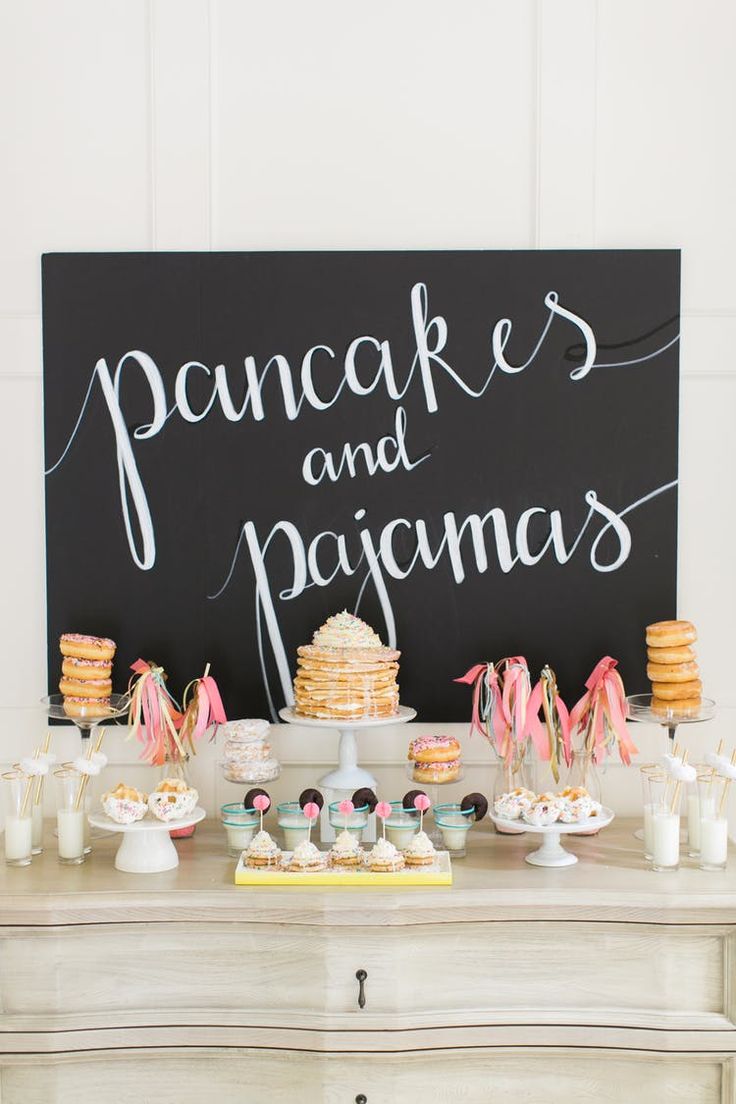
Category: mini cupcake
<point>124,804</point>
<point>577,805</point>
<point>346,850</point>
<point>172,799</point>
<point>543,811</point>
<point>262,852</point>
<point>511,806</point>
<point>384,858</point>
<point>307,857</point>
<point>421,851</point>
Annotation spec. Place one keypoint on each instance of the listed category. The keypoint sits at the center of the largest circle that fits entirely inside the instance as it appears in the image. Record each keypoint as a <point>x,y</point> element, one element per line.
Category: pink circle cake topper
<point>311,810</point>
<point>261,802</point>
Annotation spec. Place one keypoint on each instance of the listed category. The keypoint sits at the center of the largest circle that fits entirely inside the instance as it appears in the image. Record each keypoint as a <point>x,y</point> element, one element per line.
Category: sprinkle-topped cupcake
<point>384,857</point>
<point>262,851</point>
<point>346,850</point>
<point>421,851</point>
<point>307,857</point>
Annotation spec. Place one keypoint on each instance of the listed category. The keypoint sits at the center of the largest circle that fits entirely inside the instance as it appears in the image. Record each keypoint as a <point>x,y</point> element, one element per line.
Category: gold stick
<point>84,780</point>
<point>38,795</point>
<point>726,784</point>
<point>29,787</point>
<point>678,787</point>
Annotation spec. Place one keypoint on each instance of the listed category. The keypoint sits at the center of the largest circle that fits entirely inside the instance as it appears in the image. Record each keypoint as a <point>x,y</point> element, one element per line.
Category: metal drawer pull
<point>361,975</point>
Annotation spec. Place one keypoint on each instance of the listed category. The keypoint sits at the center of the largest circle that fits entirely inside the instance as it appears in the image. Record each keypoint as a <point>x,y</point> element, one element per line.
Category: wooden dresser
<point>601,982</point>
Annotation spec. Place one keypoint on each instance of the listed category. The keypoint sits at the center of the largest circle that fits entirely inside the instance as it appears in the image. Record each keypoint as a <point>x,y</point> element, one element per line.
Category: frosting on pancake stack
<point>86,674</point>
<point>346,673</point>
<point>671,668</point>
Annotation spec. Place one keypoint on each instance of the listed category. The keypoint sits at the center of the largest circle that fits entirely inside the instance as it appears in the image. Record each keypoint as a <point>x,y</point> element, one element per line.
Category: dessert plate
<point>552,853</point>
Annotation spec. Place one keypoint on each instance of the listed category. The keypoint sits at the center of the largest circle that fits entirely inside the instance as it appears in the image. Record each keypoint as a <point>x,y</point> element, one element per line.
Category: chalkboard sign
<point>476,451</point>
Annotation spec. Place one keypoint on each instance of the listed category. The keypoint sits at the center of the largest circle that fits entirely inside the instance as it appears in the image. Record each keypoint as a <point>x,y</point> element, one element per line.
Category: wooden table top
<point>611,882</point>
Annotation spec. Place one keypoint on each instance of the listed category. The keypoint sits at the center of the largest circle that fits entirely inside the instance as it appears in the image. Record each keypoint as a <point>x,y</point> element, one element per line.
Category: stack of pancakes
<point>346,673</point>
<point>672,670</point>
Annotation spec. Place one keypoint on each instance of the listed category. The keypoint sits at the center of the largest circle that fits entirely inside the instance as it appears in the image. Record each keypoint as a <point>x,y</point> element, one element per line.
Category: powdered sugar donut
<point>543,811</point>
<point>511,806</point>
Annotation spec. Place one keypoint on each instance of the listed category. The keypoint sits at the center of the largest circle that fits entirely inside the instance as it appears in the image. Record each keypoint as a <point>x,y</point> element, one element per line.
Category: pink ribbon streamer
<point>602,710</point>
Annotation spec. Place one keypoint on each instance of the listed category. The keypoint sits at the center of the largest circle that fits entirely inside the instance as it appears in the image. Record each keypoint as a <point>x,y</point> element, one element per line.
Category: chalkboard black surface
<point>477,451</point>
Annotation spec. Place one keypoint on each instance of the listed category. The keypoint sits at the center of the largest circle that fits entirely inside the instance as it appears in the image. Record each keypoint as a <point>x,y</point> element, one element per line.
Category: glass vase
<point>179,768</point>
<point>583,774</point>
<point>510,774</point>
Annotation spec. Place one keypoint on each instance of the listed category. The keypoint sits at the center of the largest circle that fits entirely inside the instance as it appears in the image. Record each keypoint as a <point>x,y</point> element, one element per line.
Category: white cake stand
<point>348,775</point>
<point>552,853</point>
<point>147,847</point>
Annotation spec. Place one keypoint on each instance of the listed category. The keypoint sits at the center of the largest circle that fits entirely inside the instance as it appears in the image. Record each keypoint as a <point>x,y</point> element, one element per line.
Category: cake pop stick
<point>422,803</point>
<point>311,812</point>
<point>262,803</point>
<point>346,808</point>
<point>383,812</point>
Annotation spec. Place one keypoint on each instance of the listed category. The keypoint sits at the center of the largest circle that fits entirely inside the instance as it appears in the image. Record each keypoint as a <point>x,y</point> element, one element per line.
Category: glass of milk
<point>70,816</point>
<point>402,825</point>
<point>454,824</point>
<point>240,826</point>
<point>354,822</point>
<point>713,839</point>
<point>693,799</point>
<point>17,805</point>
<point>650,796</point>
<point>665,824</point>
<point>293,824</point>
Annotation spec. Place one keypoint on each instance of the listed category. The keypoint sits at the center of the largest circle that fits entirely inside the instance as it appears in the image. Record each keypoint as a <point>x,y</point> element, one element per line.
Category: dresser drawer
<point>475,1076</point>
<point>464,974</point>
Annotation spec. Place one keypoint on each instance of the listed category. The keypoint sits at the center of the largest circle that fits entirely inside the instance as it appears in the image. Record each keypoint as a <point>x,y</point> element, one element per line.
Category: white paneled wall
<point>237,124</point>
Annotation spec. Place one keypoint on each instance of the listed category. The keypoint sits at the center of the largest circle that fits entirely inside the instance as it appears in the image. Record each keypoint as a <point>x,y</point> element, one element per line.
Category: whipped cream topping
<point>420,845</point>
<point>346,844</point>
<point>384,851</point>
<point>306,853</point>
<point>262,844</point>
<point>344,630</point>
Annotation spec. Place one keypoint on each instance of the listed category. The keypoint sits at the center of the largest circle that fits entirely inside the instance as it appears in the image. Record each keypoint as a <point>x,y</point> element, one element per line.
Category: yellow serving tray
<point>438,874</point>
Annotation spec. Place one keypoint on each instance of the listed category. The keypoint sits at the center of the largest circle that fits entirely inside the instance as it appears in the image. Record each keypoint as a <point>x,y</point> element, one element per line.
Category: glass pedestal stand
<point>91,717</point>
<point>433,791</point>
<point>640,709</point>
<point>348,776</point>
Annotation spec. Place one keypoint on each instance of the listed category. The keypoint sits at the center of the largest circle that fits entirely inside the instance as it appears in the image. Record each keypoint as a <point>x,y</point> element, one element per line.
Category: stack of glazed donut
<point>671,668</point>
<point>86,674</point>
<point>436,759</point>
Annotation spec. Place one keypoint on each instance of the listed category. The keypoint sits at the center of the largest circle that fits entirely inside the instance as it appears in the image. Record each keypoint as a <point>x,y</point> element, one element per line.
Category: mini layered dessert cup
<point>354,822</point>
<point>402,825</point>
<point>240,826</point>
<point>454,823</point>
